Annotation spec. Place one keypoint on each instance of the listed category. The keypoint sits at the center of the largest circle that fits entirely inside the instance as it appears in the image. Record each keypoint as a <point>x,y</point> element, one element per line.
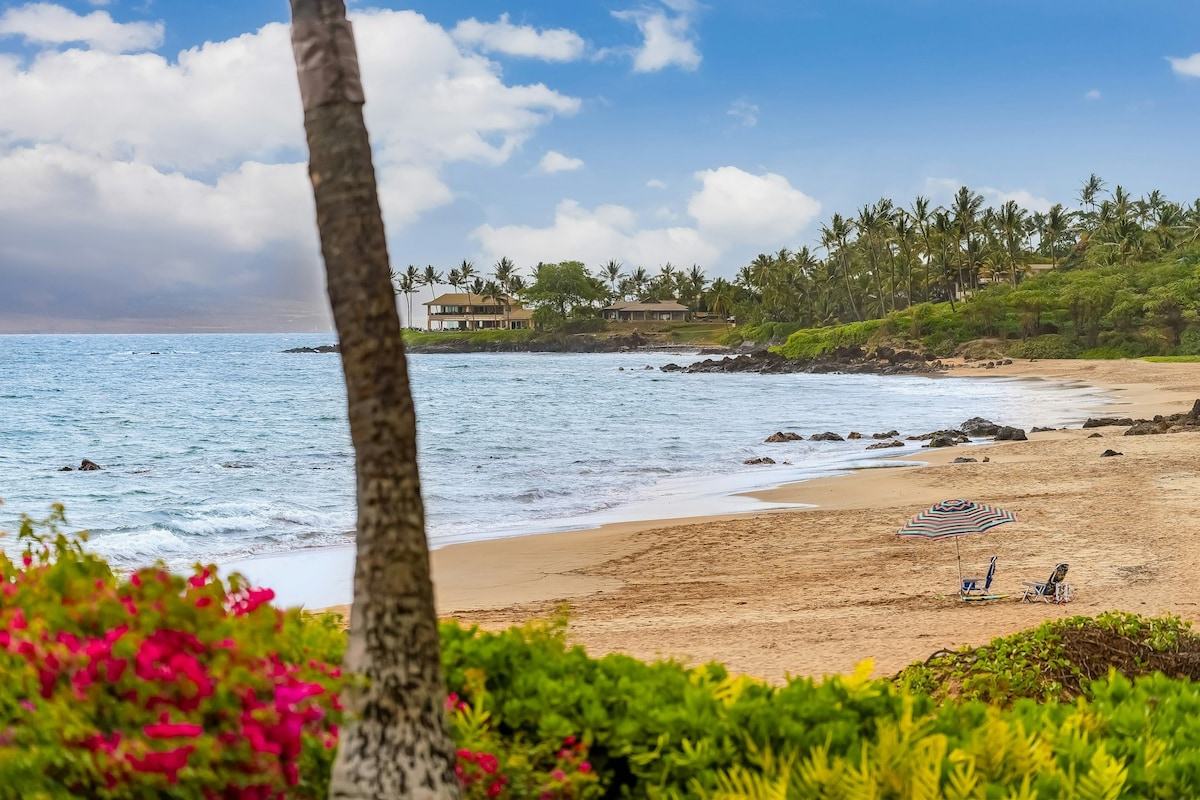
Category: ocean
<point>217,448</point>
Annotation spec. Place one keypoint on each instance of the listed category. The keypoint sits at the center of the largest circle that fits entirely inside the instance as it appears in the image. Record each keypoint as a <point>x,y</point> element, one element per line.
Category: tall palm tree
<point>466,271</point>
<point>1056,222</point>
<point>431,278</point>
<point>837,235</point>
<point>966,207</point>
<point>612,273</point>
<point>1011,221</point>
<point>503,269</point>
<point>395,734</point>
<point>640,278</point>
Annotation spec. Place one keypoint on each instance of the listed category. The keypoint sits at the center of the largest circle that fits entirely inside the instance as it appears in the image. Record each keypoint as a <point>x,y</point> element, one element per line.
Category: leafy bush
<point>157,685</point>
<point>1051,345</point>
<point>812,342</point>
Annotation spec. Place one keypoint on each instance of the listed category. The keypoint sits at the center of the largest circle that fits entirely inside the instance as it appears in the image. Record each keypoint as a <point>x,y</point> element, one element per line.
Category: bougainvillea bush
<point>157,685</point>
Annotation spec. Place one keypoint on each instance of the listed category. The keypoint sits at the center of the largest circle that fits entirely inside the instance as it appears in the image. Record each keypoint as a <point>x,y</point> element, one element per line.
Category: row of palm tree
<point>883,258</point>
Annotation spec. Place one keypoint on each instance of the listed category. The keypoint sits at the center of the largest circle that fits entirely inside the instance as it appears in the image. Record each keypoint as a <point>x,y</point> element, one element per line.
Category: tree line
<point>882,259</point>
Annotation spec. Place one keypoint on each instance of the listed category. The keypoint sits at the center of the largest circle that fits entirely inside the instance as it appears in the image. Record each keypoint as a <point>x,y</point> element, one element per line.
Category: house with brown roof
<point>664,311</point>
<point>463,312</point>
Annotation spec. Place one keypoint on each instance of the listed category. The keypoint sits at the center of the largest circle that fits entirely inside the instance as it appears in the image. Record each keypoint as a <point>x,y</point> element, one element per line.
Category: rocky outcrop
<point>944,441</point>
<point>1110,454</point>
<point>781,436</point>
<point>325,348</point>
<point>1010,434</point>
<point>958,436</point>
<point>760,460</point>
<point>885,445</point>
<point>827,436</point>
<point>978,426</point>
<point>854,435</point>
<point>889,435</point>
<point>1174,423</point>
<point>964,460</point>
<point>88,466</point>
<point>1107,422</point>
<point>849,360</point>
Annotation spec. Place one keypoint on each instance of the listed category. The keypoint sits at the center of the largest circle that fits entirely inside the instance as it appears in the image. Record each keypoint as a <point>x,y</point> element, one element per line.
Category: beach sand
<point>815,591</point>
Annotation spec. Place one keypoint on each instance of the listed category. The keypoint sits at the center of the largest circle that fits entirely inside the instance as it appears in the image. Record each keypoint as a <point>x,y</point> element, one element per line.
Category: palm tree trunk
<point>395,743</point>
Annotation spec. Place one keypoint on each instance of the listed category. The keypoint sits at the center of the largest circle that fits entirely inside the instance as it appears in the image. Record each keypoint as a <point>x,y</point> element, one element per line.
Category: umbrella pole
<point>959,554</point>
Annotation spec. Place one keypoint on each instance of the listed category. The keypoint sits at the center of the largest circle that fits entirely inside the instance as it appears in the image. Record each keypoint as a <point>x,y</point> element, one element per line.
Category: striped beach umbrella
<point>952,519</point>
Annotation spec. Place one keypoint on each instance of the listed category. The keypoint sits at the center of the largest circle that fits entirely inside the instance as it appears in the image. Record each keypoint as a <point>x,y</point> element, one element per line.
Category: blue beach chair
<point>978,587</point>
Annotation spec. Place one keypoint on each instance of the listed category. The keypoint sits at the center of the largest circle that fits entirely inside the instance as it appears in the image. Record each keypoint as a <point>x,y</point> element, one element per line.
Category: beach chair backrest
<point>1059,574</point>
<point>987,584</point>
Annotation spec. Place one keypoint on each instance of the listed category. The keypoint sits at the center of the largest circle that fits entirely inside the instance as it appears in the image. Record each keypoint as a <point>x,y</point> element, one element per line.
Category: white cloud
<point>942,191</point>
<point>594,237</point>
<point>655,183</point>
<point>730,207</point>
<point>1093,94</point>
<point>558,44</point>
<point>136,170</point>
<point>1189,66</point>
<point>745,112</point>
<point>554,161</point>
<point>49,24</point>
<point>667,40</point>
<point>737,206</point>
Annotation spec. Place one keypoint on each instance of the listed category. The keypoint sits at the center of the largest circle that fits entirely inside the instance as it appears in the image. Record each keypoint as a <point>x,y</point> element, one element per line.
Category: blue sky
<point>151,151</point>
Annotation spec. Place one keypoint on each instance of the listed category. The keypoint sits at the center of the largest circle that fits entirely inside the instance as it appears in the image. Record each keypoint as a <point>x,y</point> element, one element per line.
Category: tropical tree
<point>466,272</point>
<point>612,273</point>
<point>561,291</point>
<point>1056,222</point>
<point>431,278</point>
<point>395,737</point>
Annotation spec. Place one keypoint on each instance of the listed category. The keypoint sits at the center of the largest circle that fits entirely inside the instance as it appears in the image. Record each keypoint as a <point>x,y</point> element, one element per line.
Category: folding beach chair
<point>978,587</point>
<point>1052,591</point>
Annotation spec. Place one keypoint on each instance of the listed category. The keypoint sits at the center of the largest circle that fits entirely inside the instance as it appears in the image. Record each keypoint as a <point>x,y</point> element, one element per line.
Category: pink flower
<point>172,730</point>
<point>558,775</point>
<point>585,767</point>
<point>487,762</point>
<point>495,789</point>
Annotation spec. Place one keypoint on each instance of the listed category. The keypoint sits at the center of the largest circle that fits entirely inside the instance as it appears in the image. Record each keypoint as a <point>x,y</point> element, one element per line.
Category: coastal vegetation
<point>1114,277</point>
<point>150,684</point>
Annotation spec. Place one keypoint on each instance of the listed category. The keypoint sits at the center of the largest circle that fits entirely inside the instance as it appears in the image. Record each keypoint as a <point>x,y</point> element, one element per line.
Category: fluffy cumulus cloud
<point>132,184</point>
<point>734,205</point>
<point>729,208</point>
<point>942,191</point>
<point>555,161</point>
<point>1189,67</point>
<point>558,44</point>
<point>45,23</point>
<point>668,37</point>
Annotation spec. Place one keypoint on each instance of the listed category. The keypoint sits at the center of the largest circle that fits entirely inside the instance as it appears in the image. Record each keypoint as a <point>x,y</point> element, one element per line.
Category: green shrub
<point>1051,345</point>
<point>812,342</point>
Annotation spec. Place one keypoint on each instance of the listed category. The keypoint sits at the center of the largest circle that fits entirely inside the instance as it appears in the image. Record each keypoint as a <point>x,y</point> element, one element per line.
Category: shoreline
<point>814,590</point>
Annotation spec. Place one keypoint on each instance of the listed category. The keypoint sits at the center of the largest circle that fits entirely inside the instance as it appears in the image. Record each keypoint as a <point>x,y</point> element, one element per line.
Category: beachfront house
<point>663,311</point>
<point>463,312</point>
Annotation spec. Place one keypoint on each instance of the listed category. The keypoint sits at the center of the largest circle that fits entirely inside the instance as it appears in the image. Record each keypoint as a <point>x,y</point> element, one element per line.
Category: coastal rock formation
<point>978,426</point>
<point>944,441</point>
<point>1110,454</point>
<point>1105,422</point>
<point>1096,436</point>
<point>88,466</point>
<point>964,460</point>
<point>66,469</point>
<point>850,360</point>
<point>892,434</point>
<point>760,460</point>
<point>325,348</point>
<point>1038,429</point>
<point>958,436</point>
<point>885,445</point>
<point>827,436</point>
<point>1010,434</point>
<point>780,436</point>
<point>854,435</point>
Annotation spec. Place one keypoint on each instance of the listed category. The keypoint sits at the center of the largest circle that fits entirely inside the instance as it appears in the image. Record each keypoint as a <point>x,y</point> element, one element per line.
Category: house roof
<point>453,299</point>
<point>666,305</point>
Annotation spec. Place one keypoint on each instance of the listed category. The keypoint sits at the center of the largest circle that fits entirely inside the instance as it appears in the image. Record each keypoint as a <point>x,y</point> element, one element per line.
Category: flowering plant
<point>154,684</point>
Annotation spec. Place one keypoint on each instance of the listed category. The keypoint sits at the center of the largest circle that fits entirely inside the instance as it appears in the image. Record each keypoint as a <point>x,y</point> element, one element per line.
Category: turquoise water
<point>221,447</point>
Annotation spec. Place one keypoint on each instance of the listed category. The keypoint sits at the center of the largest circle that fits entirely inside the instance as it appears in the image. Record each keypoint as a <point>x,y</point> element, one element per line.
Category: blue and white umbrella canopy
<point>955,518</point>
<point>952,519</point>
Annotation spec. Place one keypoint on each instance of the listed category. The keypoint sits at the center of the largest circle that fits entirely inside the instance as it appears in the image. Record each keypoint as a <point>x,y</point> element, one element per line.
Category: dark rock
<point>1146,428</point>
<point>978,426</point>
<point>963,460</point>
<point>760,460</point>
<point>1037,429</point>
<point>986,459</point>
<point>1105,422</point>
<point>854,435</point>
<point>958,436</point>
<point>325,348</point>
<point>666,368</point>
<point>827,436</point>
<point>851,360</point>
<point>88,466</point>
<point>1096,436</point>
<point>780,436</point>
<point>1195,412</point>
<point>1110,453</point>
<point>1006,362</point>
<point>885,445</point>
<point>942,441</point>
<point>889,435</point>
<point>66,469</point>
<point>1009,434</point>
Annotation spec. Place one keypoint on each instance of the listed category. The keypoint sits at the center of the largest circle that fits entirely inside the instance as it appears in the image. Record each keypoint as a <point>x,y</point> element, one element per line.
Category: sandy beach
<point>815,591</point>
